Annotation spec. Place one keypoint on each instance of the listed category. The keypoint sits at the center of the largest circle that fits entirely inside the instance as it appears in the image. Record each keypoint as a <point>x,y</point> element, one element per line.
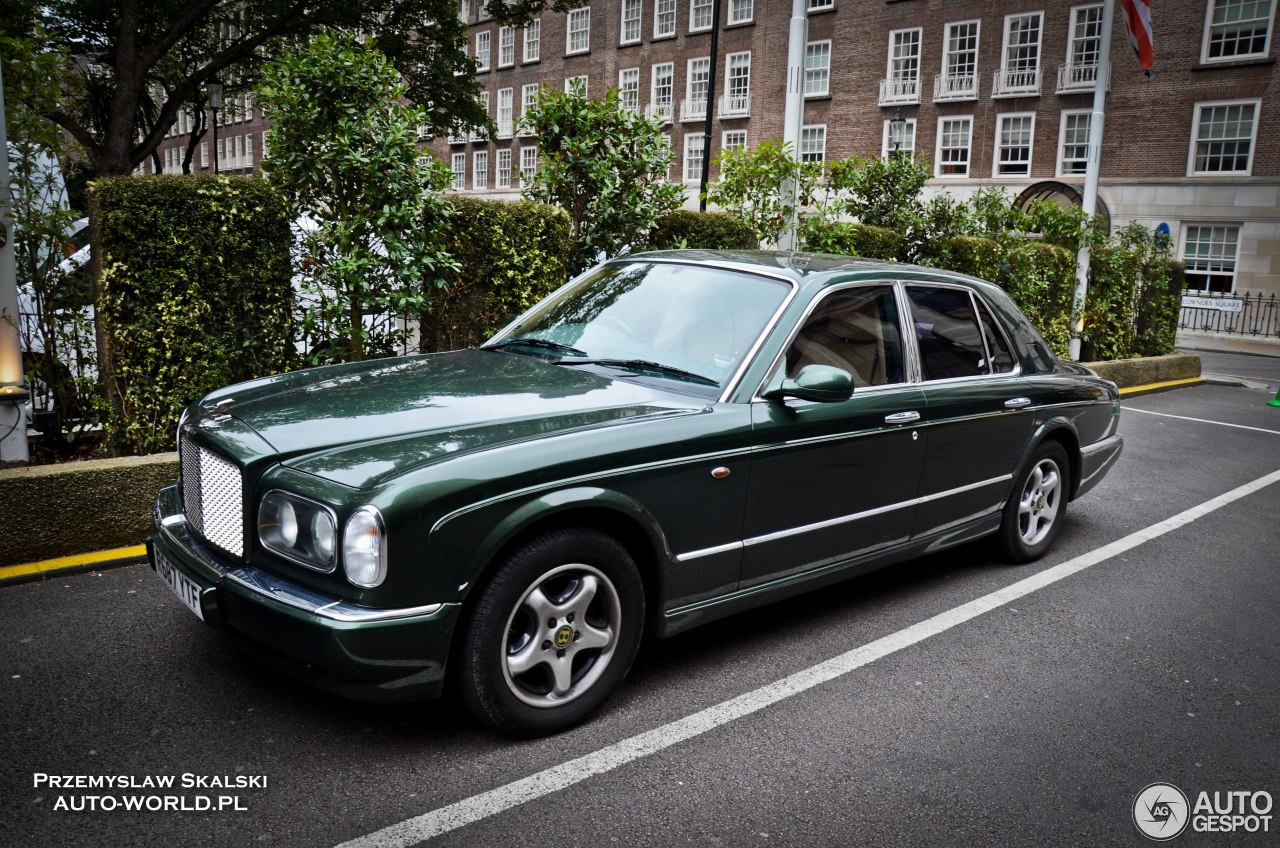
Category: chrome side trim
<point>718,549</point>
<point>299,597</point>
<point>843,519</point>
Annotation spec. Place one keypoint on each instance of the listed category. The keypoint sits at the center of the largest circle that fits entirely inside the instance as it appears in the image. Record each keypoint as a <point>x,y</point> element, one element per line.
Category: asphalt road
<point>1035,723</point>
<point>1258,369</point>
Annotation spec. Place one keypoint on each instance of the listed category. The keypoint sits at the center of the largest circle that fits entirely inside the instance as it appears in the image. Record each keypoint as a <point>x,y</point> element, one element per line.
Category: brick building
<point>993,93</point>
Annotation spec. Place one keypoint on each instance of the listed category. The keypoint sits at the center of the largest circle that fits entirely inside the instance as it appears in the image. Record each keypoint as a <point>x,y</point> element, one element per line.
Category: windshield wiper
<point>546,344</point>
<point>647,365</point>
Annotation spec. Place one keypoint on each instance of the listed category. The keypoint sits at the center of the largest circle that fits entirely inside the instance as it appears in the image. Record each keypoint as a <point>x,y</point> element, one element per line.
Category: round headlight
<point>322,534</point>
<point>364,548</point>
<point>288,524</point>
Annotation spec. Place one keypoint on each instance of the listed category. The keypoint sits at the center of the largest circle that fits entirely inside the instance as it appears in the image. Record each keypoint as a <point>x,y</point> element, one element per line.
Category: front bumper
<point>368,654</point>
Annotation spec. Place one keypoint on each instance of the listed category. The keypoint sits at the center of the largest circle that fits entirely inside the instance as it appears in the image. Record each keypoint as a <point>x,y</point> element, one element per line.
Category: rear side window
<point>947,333</point>
<point>855,330</point>
<point>1001,358</point>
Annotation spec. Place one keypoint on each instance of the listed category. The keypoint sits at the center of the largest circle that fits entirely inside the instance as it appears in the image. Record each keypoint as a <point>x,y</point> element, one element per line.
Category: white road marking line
<point>1201,420</point>
<point>461,813</point>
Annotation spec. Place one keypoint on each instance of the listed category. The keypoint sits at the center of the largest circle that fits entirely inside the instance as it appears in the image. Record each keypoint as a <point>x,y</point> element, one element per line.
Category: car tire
<point>551,633</point>
<point>1037,506</point>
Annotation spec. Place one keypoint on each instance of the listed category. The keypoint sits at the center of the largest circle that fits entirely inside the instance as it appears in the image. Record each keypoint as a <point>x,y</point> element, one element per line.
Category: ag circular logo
<point>1160,811</point>
<point>564,636</point>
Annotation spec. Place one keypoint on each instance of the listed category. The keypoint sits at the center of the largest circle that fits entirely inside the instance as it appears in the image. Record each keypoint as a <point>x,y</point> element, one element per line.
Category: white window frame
<point>638,20</point>
<point>526,170</point>
<point>937,147</point>
<point>1061,170</point>
<point>458,165</point>
<point>909,126</point>
<point>1031,145</point>
<point>502,169</point>
<point>819,6</point>
<point>1208,31</point>
<point>725,144</point>
<point>1005,68</point>
<point>527,102</point>
<point>577,17</point>
<point>506,127</point>
<point>689,74</point>
<point>532,39</point>
<point>487,39</point>
<point>627,76</point>
<point>506,46</point>
<point>810,74</point>
<point>671,84</point>
<point>800,147</point>
<point>688,150</point>
<point>570,83</point>
<point>204,154</point>
<point>1256,103</point>
<point>977,45</point>
<point>1226,225</point>
<point>729,78</point>
<point>1071,29</point>
<point>659,15</point>
<point>735,16</point>
<point>919,31</point>
<point>480,170</point>
<point>708,6</point>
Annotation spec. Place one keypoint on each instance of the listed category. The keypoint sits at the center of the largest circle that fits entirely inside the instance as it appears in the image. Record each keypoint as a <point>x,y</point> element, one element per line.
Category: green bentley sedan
<point>668,439</point>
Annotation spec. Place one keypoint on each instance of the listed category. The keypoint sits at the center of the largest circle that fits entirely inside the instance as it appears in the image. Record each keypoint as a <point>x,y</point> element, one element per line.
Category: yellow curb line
<point>1151,387</point>
<point>80,560</point>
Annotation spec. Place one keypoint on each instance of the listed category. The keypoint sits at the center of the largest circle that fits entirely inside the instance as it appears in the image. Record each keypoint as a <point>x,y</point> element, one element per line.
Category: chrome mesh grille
<point>213,497</point>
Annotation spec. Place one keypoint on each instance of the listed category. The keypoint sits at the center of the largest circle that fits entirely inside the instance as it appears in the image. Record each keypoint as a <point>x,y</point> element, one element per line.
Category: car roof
<point>808,269</point>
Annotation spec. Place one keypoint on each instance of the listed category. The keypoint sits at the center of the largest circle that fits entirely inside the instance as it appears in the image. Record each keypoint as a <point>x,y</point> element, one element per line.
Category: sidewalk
<point>1222,343</point>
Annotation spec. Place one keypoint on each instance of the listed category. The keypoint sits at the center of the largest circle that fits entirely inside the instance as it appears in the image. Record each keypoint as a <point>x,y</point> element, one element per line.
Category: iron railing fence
<point>1256,315</point>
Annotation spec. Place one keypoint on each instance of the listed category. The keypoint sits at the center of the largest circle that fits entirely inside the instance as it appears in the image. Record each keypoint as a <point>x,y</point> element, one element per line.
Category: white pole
<point>1090,201</point>
<point>793,111</point>
<point>13,423</point>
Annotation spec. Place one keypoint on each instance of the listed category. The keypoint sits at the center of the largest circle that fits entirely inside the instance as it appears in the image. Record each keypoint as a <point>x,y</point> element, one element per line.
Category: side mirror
<point>820,383</point>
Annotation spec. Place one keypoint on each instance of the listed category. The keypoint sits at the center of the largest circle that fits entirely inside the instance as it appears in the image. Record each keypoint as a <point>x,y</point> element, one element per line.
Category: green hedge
<point>194,293</point>
<point>510,255</point>
<point>704,230</point>
<point>852,239</point>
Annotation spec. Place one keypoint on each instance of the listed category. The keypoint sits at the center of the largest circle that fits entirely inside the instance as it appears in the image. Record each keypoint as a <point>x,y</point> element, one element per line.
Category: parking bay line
<point>1200,420</point>
<point>478,807</point>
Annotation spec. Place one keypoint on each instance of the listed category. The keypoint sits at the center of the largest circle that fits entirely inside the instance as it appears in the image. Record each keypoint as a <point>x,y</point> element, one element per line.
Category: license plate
<point>184,587</point>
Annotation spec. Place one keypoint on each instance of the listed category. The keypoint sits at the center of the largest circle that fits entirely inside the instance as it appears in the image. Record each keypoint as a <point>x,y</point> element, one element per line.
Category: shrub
<point>977,257</point>
<point>509,254</point>
<point>1042,282</point>
<point>194,293</point>
<point>702,230</point>
<point>848,239</point>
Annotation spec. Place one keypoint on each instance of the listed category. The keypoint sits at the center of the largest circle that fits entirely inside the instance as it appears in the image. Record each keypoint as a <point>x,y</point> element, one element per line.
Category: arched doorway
<point>1063,194</point>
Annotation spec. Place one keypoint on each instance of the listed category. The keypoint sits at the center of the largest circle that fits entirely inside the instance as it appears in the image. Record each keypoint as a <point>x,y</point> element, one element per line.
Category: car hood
<point>361,423</point>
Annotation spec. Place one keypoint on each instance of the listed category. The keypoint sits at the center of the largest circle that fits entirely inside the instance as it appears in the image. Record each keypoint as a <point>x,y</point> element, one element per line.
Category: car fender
<point>1056,424</point>
<point>486,530</point>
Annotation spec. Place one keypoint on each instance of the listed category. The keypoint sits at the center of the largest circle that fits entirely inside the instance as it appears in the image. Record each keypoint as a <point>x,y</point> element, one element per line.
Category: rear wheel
<point>552,633</point>
<point>1036,508</point>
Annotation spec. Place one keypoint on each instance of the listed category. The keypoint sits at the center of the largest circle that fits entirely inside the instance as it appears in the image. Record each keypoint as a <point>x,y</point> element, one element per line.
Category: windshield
<point>691,324</point>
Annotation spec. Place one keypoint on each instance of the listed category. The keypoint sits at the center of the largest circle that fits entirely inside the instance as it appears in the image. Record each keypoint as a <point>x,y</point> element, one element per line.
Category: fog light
<point>364,548</point>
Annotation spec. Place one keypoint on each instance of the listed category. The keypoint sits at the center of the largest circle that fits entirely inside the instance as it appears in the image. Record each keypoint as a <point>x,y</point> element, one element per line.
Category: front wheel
<point>552,633</point>
<point>1036,508</point>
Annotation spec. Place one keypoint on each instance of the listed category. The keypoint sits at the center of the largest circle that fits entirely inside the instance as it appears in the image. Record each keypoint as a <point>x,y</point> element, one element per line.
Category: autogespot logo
<point>1160,811</point>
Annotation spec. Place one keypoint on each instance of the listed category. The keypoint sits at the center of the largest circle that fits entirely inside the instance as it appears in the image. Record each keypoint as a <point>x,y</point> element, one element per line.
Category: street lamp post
<point>897,129</point>
<point>214,88</point>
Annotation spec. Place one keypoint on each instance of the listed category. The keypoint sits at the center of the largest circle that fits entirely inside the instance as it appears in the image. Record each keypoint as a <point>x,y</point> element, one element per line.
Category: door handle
<point>902,418</point>
<point>1017,403</point>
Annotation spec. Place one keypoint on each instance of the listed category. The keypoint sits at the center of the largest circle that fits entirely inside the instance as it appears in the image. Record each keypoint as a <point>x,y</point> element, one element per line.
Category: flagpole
<point>1090,202</point>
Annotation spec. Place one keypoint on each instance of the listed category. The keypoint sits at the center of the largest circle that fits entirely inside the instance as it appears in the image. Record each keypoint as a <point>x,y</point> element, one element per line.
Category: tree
<point>605,166</point>
<point>132,65</point>
<point>754,187</point>
<point>342,148</point>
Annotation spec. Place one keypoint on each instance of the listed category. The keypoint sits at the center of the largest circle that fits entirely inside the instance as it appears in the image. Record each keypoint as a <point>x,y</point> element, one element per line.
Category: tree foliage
<point>755,186</point>
<point>342,148</point>
<point>126,69</point>
<point>606,166</point>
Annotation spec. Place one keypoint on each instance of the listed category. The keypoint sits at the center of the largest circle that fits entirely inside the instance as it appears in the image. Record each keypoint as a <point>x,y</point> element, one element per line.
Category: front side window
<point>664,18</point>
<point>629,89</point>
<point>1074,151</point>
<point>947,333</point>
<point>502,177</point>
<point>813,143</point>
<point>700,15</point>
<point>480,170</point>
<point>533,41</point>
<point>1209,252</point>
<point>1223,140</point>
<point>579,31</point>
<point>954,135</point>
<point>856,330</point>
<point>482,51</point>
<point>618,320</point>
<point>1238,29</point>
<point>1086,36</point>
<point>817,69</point>
<point>506,46</point>
<point>693,158</point>
<point>632,11</point>
<point>741,11</point>
<point>1013,144</point>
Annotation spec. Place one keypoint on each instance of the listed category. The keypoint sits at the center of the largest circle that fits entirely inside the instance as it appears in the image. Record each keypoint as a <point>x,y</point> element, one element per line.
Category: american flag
<point>1137,20</point>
